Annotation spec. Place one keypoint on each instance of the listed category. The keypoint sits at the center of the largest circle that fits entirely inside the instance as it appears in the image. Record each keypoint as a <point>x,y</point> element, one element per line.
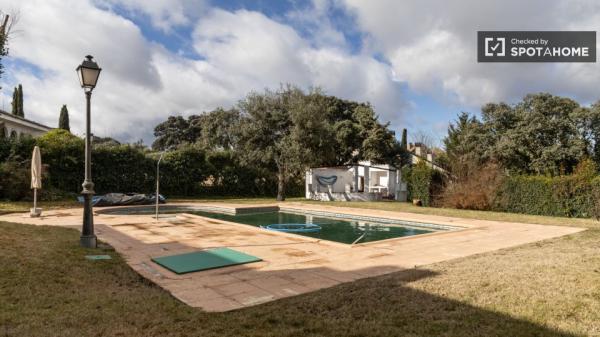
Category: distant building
<point>15,126</point>
<point>420,152</point>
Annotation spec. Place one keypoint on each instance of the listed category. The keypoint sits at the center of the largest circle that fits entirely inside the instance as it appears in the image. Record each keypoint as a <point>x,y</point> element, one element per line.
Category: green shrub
<point>183,171</point>
<point>227,177</point>
<point>16,149</point>
<point>122,168</point>
<point>575,195</point>
<point>14,180</point>
<point>595,212</point>
<point>424,183</point>
<point>63,154</point>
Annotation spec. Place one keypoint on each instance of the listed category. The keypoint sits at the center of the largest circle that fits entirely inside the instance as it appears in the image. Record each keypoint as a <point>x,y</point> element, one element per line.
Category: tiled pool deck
<point>291,264</point>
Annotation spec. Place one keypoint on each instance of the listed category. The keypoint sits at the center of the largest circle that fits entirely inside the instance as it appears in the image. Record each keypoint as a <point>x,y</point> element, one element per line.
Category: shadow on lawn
<point>381,306</point>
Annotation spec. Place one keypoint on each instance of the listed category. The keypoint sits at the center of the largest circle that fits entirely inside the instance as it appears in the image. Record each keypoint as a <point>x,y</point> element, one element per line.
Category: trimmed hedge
<point>576,195</point>
<point>187,171</point>
<point>122,168</point>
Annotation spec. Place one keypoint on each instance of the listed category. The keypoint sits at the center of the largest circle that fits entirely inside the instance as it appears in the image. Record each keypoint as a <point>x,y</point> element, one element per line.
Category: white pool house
<point>360,182</point>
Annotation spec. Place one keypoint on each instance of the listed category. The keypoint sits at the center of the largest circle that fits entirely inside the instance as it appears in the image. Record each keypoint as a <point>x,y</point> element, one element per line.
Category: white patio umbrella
<point>36,178</point>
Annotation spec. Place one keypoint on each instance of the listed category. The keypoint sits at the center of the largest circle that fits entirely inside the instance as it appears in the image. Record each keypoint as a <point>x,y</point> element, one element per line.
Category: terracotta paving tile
<point>235,288</point>
<point>290,289</point>
<point>196,294</point>
<point>339,276</point>
<point>249,274</point>
<point>215,304</point>
<point>268,282</point>
<point>318,283</point>
<point>214,280</point>
<point>253,297</point>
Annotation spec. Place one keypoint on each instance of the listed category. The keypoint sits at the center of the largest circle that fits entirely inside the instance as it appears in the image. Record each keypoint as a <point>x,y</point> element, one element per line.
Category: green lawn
<point>24,206</point>
<point>550,288</point>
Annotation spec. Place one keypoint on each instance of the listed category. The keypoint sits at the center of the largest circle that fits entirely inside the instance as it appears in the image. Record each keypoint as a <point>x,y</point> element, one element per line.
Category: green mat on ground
<point>203,260</point>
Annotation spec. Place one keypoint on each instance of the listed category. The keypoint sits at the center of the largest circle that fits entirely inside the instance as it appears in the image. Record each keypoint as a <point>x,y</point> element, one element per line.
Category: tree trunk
<point>280,185</point>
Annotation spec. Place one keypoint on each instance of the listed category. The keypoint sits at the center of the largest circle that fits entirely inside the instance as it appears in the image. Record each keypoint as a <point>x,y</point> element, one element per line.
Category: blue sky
<point>414,61</point>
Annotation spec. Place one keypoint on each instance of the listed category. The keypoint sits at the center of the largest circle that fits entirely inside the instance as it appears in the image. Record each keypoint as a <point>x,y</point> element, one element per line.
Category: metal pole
<point>157,181</point>
<point>88,238</point>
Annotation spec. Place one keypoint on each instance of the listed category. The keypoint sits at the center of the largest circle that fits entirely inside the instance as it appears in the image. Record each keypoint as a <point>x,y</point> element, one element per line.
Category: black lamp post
<point>88,73</point>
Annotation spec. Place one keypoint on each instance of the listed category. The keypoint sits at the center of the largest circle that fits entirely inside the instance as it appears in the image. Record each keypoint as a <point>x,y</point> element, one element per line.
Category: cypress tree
<point>15,102</point>
<point>20,106</point>
<point>404,143</point>
<point>63,120</point>
<point>404,156</point>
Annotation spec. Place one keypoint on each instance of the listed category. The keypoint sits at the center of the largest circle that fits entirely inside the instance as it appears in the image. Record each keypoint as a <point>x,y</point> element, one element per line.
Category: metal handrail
<point>360,237</point>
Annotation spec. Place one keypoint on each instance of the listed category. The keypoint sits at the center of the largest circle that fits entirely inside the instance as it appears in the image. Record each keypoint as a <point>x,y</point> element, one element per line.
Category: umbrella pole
<point>34,199</point>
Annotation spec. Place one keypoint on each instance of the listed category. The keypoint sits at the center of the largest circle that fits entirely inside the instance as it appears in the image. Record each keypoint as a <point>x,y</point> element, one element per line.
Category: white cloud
<point>431,45</point>
<point>163,14</point>
<point>262,52</point>
<point>252,47</point>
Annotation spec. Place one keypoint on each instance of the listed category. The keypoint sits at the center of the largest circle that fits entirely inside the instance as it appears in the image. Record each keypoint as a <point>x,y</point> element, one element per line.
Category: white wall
<point>21,128</point>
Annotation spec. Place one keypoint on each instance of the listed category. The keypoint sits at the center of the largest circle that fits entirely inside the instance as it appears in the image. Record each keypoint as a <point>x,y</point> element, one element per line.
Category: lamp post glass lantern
<point>88,73</point>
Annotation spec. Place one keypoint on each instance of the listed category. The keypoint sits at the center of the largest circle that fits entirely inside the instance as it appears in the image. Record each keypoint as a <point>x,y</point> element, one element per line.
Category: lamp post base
<point>88,238</point>
<point>88,241</point>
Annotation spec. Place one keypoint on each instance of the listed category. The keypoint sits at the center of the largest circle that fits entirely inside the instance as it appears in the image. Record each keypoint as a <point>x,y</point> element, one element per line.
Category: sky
<point>414,61</point>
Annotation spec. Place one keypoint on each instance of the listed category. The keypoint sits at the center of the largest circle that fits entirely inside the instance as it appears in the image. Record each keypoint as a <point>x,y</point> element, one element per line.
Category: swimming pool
<point>333,228</point>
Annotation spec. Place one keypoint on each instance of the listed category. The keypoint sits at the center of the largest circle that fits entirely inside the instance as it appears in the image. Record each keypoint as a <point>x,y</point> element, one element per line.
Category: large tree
<point>282,133</point>
<point>173,132</point>
<point>542,134</point>
<point>285,130</point>
<point>359,135</point>
<point>465,144</point>
<point>538,135</point>
<point>589,126</point>
<point>216,130</point>
<point>63,119</point>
